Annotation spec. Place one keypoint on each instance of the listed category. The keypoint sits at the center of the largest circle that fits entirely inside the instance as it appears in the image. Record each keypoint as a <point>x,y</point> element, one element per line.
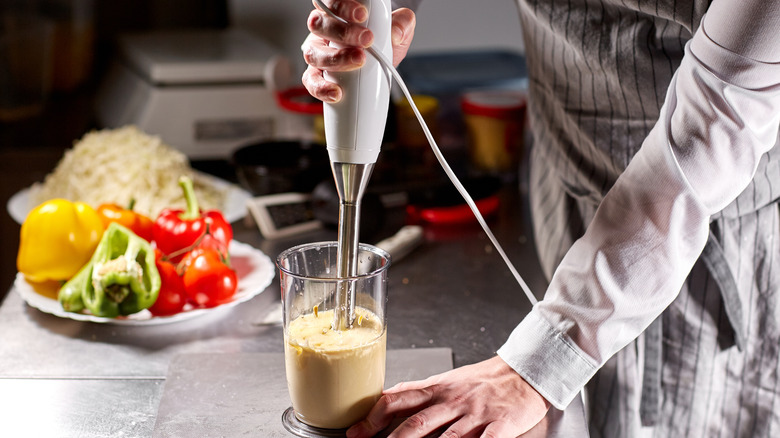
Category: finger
<point>413,385</point>
<point>349,10</point>
<point>406,386</point>
<point>318,54</point>
<point>501,428</point>
<point>466,427</point>
<point>388,407</point>
<point>319,87</point>
<point>348,34</point>
<point>402,33</point>
<point>426,421</point>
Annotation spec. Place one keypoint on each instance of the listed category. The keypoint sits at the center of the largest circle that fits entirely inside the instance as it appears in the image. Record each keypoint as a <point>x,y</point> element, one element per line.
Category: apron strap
<point>650,401</point>
<point>715,261</point>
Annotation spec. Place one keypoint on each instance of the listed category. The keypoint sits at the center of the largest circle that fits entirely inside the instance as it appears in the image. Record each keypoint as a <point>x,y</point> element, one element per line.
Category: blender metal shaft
<point>354,129</point>
<point>351,181</point>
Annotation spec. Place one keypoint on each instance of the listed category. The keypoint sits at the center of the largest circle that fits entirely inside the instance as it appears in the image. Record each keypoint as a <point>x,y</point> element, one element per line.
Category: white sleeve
<point>747,27</point>
<point>722,112</point>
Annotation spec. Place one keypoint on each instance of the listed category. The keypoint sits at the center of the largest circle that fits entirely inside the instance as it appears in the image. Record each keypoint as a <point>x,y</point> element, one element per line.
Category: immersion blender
<point>354,128</point>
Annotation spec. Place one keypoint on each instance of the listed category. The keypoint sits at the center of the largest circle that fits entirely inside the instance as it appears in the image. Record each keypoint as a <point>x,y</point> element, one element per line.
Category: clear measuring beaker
<point>334,376</point>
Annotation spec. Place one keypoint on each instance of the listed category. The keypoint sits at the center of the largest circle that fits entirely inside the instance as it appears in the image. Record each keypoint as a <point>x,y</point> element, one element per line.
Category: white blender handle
<point>355,125</point>
<point>384,59</point>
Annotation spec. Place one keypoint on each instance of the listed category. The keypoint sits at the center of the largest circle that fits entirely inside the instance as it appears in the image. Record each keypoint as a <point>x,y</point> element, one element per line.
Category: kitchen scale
<point>204,92</point>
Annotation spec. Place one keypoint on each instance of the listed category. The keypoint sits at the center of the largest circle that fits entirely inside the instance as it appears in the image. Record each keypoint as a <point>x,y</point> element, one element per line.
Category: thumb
<point>402,33</point>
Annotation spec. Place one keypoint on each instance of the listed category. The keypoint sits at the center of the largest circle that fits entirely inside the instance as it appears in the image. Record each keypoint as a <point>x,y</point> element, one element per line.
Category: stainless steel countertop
<point>60,377</point>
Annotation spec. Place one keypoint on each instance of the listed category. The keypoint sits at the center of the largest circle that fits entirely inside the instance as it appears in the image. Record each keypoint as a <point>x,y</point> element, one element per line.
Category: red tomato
<point>208,280</point>
<point>208,241</point>
<point>172,297</point>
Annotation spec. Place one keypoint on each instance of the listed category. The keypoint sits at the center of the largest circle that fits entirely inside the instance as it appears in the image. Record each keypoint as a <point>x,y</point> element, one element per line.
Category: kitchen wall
<point>442,25</point>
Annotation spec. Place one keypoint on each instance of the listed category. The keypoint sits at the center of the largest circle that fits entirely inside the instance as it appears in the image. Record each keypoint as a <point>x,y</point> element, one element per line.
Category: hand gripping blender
<point>354,128</point>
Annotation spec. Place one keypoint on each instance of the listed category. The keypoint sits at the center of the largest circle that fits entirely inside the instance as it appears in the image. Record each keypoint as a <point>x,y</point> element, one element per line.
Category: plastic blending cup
<point>334,377</point>
<point>494,126</point>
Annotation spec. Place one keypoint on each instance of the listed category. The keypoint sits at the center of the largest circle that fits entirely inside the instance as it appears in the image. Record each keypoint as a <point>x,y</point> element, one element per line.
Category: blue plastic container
<point>439,74</point>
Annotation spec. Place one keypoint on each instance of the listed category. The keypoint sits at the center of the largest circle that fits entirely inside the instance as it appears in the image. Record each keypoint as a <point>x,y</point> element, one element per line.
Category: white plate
<point>234,207</point>
<point>255,272</point>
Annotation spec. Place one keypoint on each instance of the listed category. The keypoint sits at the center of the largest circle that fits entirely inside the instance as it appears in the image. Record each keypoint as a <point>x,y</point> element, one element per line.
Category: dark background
<point>31,148</point>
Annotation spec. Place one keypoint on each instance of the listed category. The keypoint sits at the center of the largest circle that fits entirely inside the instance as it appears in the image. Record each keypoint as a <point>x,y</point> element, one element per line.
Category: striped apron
<point>709,366</point>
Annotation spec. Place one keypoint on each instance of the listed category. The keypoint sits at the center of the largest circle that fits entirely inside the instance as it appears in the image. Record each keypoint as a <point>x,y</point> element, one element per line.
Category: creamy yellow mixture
<point>334,377</point>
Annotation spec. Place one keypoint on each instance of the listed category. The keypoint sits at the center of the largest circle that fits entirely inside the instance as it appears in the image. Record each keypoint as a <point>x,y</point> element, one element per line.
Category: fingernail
<point>356,58</point>
<point>315,22</point>
<point>397,35</point>
<point>366,38</point>
<point>332,96</point>
<point>360,15</point>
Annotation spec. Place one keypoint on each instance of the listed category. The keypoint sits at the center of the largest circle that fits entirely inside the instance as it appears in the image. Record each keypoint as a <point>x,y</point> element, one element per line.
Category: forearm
<point>616,279</point>
<point>721,114</point>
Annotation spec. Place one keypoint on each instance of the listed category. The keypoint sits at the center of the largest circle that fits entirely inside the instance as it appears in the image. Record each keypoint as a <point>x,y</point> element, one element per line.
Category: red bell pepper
<point>136,222</point>
<point>176,229</point>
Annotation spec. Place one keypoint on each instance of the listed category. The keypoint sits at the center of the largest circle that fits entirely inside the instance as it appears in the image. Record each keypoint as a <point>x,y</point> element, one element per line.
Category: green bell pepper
<point>70,293</point>
<point>120,279</point>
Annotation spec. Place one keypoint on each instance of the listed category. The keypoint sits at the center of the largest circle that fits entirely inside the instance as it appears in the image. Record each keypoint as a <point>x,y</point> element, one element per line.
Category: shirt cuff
<point>548,360</point>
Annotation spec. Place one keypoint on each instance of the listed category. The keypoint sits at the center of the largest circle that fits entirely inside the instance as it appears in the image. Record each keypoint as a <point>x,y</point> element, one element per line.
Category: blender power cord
<point>439,156</point>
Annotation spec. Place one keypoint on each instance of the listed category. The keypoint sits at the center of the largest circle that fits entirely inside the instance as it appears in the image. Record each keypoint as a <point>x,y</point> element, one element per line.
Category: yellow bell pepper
<point>57,238</point>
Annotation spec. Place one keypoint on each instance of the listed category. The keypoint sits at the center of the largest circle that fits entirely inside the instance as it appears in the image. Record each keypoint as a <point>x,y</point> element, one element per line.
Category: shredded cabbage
<point>115,166</point>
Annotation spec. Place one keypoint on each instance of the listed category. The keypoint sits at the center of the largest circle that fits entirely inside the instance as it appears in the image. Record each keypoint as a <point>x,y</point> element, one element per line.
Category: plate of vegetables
<point>254,270</point>
<point>112,265</point>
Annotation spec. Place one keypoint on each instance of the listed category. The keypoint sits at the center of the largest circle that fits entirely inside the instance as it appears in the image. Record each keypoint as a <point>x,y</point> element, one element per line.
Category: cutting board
<point>245,394</point>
